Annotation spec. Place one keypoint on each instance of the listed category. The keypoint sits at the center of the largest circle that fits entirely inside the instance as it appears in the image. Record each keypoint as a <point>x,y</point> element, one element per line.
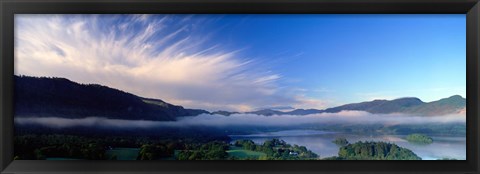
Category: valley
<point>57,119</point>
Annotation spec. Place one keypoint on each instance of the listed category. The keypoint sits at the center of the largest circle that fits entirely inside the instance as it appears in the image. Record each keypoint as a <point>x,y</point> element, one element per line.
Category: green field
<point>241,153</point>
<point>123,153</point>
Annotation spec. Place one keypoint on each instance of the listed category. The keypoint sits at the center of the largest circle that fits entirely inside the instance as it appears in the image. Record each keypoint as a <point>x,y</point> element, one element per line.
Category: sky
<point>246,62</point>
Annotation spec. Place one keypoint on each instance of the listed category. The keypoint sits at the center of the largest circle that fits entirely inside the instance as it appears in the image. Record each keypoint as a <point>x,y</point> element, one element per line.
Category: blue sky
<point>243,62</point>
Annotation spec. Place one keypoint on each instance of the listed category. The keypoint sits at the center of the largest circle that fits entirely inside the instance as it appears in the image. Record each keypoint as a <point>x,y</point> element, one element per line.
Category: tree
<point>375,151</point>
<point>340,141</point>
<point>419,138</point>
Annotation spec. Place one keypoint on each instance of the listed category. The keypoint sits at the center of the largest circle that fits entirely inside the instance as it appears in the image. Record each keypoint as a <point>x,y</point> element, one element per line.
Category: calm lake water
<point>320,142</point>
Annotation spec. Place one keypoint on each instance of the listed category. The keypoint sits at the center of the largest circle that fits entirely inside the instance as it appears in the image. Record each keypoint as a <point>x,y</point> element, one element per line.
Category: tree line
<point>277,149</point>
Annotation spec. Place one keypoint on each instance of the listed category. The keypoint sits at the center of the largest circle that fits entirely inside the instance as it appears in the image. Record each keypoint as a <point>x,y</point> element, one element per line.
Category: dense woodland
<point>277,149</point>
<point>60,97</point>
<point>375,151</point>
<point>77,147</point>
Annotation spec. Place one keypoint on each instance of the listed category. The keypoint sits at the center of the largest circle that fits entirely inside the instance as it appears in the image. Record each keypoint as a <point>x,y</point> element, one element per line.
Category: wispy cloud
<point>158,56</point>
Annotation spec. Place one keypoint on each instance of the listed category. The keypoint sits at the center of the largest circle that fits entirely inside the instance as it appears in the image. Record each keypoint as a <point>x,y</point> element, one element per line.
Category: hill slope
<point>60,97</point>
<point>380,106</point>
<point>409,105</point>
<point>453,104</point>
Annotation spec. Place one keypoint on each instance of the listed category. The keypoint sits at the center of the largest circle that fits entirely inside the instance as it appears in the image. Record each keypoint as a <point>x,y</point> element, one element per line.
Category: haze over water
<point>321,143</point>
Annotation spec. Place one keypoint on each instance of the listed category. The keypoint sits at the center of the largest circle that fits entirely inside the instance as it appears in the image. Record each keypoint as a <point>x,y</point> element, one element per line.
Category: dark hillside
<point>60,97</point>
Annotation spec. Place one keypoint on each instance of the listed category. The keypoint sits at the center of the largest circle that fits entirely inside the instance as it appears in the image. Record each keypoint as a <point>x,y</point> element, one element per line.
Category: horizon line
<point>256,109</point>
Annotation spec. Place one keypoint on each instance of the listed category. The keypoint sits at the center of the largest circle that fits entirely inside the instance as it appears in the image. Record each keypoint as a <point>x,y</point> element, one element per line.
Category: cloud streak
<point>155,56</point>
<point>344,117</point>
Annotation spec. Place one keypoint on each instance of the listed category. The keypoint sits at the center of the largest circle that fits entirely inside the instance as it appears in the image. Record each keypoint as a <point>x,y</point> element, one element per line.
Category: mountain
<point>450,105</point>
<point>266,112</point>
<point>278,108</point>
<point>409,105</point>
<point>225,113</point>
<point>462,111</point>
<point>60,97</point>
<point>381,106</point>
<point>178,111</point>
<point>304,111</point>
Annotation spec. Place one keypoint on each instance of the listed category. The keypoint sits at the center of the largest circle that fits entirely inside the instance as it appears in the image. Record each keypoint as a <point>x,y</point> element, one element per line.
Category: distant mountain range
<point>451,105</point>
<point>60,97</point>
<point>409,105</point>
<point>277,108</point>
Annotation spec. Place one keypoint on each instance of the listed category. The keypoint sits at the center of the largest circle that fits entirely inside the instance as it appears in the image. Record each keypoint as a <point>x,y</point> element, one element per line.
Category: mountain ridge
<point>61,97</point>
<point>406,105</point>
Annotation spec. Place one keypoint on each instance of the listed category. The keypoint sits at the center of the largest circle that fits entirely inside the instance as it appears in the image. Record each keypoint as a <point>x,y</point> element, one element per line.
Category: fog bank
<point>344,117</point>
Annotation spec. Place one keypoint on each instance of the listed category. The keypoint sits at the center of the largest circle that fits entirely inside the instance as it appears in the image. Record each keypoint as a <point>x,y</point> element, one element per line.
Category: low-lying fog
<point>344,117</point>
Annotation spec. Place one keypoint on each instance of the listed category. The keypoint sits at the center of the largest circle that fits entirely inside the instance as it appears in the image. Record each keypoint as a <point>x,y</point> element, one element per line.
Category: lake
<point>320,142</point>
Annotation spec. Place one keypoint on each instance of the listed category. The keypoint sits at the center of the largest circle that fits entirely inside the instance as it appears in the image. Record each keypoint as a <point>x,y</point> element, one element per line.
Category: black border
<point>10,7</point>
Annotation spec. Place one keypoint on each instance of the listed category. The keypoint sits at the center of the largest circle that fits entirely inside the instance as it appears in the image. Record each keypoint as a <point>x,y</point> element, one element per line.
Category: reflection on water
<point>320,142</point>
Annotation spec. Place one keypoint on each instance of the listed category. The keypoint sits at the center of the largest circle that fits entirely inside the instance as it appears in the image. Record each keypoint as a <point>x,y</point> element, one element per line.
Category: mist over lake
<point>321,143</point>
<point>344,117</point>
<point>239,87</point>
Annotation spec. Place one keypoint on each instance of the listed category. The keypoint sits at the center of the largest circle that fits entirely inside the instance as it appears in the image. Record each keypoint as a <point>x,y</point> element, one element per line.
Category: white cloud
<point>344,117</point>
<point>151,56</point>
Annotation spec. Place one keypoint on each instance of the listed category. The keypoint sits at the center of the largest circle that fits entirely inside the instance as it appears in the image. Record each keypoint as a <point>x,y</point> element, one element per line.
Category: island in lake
<point>239,87</point>
<point>123,126</point>
<point>419,138</point>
